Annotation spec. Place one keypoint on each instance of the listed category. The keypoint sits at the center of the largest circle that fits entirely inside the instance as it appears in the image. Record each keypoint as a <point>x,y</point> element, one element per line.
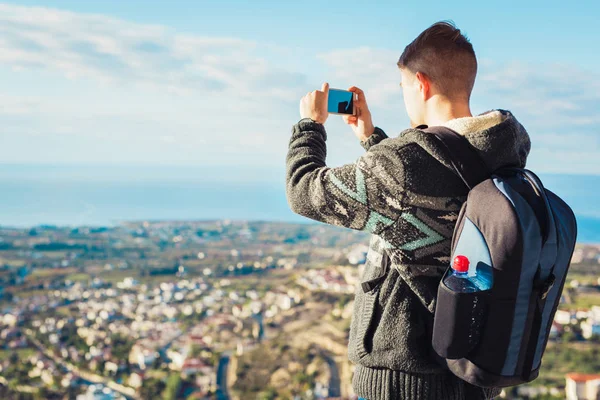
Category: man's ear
<point>424,84</point>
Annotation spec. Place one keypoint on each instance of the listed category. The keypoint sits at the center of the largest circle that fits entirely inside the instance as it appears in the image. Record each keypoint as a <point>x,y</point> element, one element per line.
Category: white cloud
<point>83,46</point>
<point>18,105</point>
<point>157,95</point>
<point>551,95</point>
<point>112,90</point>
<point>373,70</point>
<point>558,103</point>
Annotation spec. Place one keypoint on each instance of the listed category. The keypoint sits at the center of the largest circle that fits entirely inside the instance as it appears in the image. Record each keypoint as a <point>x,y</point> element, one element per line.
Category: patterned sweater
<point>404,191</point>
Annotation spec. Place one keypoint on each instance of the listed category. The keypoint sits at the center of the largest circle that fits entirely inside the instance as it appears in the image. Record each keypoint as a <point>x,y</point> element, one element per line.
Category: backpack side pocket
<point>458,321</point>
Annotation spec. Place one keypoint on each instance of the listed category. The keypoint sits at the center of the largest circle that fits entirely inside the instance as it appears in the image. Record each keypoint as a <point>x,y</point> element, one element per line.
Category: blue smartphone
<point>341,102</point>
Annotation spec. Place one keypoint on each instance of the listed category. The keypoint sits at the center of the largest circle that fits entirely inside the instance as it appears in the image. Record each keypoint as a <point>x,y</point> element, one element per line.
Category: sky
<point>217,84</point>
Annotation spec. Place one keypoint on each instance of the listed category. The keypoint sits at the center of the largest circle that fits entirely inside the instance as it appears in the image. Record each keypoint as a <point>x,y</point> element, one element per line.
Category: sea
<point>75,195</point>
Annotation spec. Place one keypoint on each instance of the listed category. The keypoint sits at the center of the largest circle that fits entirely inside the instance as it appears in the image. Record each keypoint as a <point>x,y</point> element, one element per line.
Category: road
<point>334,380</point>
<point>222,376</point>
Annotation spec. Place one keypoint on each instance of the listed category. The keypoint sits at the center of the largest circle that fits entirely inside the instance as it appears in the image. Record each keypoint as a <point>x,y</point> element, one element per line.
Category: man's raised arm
<point>365,195</point>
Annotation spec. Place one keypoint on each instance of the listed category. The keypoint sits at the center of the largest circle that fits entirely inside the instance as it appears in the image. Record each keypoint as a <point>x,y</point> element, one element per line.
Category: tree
<point>151,387</point>
<point>268,394</point>
<point>172,387</point>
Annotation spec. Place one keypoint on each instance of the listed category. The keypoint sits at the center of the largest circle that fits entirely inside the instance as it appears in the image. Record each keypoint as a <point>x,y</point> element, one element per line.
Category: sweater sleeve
<point>377,136</point>
<point>365,195</point>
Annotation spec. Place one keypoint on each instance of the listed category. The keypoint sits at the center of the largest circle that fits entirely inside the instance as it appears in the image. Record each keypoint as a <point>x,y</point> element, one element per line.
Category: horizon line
<point>229,166</point>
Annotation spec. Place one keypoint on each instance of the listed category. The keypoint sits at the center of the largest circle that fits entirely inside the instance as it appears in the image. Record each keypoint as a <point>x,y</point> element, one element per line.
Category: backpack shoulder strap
<point>465,159</point>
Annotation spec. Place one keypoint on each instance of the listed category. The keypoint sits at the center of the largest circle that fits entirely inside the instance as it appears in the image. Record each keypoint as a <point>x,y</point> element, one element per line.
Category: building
<point>358,254</point>
<point>564,317</point>
<point>582,386</point>
<point>136,380</point>
<point>142,356</point>
<point>100,392</point>
<point>591,326</point>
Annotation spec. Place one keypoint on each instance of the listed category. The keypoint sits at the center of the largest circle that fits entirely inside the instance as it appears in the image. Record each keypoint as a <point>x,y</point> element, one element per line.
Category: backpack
<point>525,235</point>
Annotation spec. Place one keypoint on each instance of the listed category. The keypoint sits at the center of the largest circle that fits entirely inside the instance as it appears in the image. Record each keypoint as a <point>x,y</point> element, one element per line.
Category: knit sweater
<point>403,191</point>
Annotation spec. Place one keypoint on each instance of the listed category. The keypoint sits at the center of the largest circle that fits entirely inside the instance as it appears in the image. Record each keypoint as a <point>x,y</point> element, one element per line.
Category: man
<point>404,191</point>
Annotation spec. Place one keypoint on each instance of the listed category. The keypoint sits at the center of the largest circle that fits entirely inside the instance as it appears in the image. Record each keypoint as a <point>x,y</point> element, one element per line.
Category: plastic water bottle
<point>458,280</point>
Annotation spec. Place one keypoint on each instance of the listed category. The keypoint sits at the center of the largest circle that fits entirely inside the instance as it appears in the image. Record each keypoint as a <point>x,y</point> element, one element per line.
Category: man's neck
<point>443,112</point>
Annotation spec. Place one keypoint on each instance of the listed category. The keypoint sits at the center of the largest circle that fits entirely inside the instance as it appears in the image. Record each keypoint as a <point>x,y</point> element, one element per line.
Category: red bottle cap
<point>460,264</point>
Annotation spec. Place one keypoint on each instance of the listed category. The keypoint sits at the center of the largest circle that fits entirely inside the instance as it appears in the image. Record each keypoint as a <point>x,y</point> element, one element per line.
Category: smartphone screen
<point>340,102</point>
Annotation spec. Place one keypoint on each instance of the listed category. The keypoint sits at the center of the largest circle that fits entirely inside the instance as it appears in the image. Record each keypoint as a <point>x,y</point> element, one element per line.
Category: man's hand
<point>361,124</point>
<point>314,104</point>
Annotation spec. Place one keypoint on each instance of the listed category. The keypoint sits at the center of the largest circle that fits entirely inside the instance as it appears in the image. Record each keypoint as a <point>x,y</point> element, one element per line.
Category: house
<point>100,392</point>
<point>358,255</point>
<point>136,380</point>
<point>590,328</point>
<point>197,339</point>
<point>177,356</point>
<point>563,317</point>
<point>69,380</point>
<point>582,386</point>
<point>47,377</point>
<point>193,366</point>
<point>142,356</point>
<point>111,367</point>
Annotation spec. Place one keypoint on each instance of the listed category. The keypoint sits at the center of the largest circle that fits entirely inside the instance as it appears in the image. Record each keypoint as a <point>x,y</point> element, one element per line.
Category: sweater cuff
<point>377,136</point>
<point>308,124</point>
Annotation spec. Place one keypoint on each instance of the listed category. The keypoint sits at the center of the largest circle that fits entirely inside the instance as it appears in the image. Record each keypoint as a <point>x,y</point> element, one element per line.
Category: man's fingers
<point>360,96</point>
<point>325,87</point>
<point>356,90</point>
<point>350,119</point>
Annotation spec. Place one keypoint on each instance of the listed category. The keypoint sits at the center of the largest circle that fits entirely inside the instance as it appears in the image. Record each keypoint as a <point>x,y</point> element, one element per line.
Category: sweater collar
<point>476,123</point>
<point>497,134</point>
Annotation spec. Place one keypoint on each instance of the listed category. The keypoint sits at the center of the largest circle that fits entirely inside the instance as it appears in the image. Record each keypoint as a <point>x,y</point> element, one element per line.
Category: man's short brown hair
<point>446,57</point>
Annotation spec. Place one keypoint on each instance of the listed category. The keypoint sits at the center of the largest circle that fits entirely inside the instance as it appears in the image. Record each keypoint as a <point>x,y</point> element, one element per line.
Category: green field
<point>22,353</point>
<point>562,358</point>
<point>579,301</point>
<point>78,277</point>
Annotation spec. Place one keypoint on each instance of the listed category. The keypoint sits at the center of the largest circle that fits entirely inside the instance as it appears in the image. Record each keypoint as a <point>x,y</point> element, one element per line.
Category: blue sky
<point>199,83</point>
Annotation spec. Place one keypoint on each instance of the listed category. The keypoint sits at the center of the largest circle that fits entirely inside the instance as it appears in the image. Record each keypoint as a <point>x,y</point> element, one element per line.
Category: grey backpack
<point>525,235</point>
